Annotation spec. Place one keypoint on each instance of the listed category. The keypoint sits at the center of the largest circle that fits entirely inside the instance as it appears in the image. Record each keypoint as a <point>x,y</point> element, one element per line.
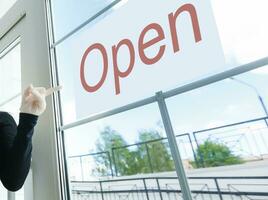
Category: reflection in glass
<point>227,120</point>
<point>66,17</point>
<point>10,81</point>
<point>122,145</point>
<point>216,126</point>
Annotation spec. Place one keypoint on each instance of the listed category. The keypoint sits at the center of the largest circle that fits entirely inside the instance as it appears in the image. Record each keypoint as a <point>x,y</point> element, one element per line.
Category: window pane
<point>233,38</point>
<point>127,145</point>
<point>244,39</point>
<point>228,125</point>
<point>66,69</point>
<point>10,80</point>
<point>243,32</point>
<point>5,5</point>
<point>10,89</point>
<point>69,14</point>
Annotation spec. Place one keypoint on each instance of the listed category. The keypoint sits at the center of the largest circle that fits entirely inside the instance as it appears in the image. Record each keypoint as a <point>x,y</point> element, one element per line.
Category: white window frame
<point>27,20</point>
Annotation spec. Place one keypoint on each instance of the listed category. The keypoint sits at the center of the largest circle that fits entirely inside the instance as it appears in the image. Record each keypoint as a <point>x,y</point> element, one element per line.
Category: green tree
<point>134,159</point>
<point>153,153</point>
<point>121,159</point>
<point>213,154</point>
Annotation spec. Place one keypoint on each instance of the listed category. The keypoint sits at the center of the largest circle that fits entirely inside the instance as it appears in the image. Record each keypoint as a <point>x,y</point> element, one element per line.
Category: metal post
<point>200,155</point>
<point>191,143</point>
<point>110,163</point>
<point>115,167</point>
<point>186,192</point>
<point>145,188</point>
<point>101,189</point>
<point>218,188</point>
<point>159,189</point>
<point>10,195</point>
<point>149,158</point>
<point>81,167</point>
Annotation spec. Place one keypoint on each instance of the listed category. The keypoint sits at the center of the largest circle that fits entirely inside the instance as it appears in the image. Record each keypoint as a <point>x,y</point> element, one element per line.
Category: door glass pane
<point>10,88</point>
<point>235,35</point>
<point>244,39</point>
<point>242,31</point>
<point>10,80</point>
<point>74,14</point>
<point>5,5</point>
<point>228,125</point>
<point>129,145</point>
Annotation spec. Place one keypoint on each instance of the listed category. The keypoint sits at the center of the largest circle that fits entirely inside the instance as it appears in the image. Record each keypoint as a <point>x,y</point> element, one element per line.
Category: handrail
<point>218,191</point>
<point>233,124</point>
<point>169,177</point>
<point>177,191</point>
<point>179,135</point>
<point>112,158</point>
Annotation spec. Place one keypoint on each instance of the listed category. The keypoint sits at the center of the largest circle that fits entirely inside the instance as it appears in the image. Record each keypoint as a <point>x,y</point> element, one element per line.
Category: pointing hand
<point>34,99</point>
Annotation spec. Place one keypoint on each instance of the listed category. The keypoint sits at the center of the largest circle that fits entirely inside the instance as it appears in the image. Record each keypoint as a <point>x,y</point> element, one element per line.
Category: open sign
<point>142,46</point>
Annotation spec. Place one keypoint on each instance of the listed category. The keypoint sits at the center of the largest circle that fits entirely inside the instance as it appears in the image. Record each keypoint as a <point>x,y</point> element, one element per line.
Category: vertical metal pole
<point>115,167</point>
<point>191,143</point>
<point>218,188</point>
<point>159,189</point>
<point>10,195</point>
<point>81,167</point>
<point>149,158</point>
<point>145,188</point>
<point>200,155</point>
<point>186,192</point>
<point>110,163</point>
<point>101,189</point>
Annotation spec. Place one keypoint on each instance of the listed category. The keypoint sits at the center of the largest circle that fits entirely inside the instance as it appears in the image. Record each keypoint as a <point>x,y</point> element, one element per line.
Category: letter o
<point>85,85</point>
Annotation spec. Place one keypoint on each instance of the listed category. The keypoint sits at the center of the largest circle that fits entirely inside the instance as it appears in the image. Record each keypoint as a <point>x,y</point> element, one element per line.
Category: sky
<point>243,36</point>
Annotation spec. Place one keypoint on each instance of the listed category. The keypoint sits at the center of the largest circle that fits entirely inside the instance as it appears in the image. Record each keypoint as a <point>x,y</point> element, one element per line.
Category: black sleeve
<point>17,153</point>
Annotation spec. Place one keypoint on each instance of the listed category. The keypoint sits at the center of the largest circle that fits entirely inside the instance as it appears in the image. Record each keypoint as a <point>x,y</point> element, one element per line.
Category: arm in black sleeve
<point>17,157</point>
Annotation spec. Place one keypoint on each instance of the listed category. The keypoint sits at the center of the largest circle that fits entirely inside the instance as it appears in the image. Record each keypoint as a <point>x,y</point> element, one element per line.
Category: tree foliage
<point>154,155</point>
<point>144,157</point>
<point>108,140</point>
<point>212,154</point>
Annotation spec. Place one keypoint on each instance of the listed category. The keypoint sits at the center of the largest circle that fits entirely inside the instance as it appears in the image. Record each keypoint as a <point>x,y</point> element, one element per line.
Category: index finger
<point>50,91</point>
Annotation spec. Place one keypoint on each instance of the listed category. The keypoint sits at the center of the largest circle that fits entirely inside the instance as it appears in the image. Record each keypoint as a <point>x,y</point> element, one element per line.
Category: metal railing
<point>248,139</point>
<point>162,188</point>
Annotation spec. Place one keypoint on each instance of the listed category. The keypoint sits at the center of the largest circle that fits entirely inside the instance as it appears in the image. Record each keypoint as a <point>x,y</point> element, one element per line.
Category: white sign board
<point>143,47</point>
